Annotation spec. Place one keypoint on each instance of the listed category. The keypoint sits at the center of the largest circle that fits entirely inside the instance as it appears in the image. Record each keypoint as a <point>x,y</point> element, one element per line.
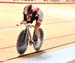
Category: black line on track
<point>37,52</point>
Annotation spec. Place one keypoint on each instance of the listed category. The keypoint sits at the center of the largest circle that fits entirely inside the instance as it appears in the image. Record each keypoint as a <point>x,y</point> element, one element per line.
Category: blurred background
<point>58,25</point>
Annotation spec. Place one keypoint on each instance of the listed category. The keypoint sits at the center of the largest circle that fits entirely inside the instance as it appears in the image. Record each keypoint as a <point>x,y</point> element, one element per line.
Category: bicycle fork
<point>29,36</point>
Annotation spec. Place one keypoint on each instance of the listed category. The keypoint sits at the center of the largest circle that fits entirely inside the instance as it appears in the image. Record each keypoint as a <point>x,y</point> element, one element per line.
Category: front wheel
<point>22,42</point>
<point>35,40</point>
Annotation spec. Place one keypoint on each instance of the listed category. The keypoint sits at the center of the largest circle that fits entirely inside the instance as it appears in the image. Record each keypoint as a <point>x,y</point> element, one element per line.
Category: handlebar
<point>29,25</point>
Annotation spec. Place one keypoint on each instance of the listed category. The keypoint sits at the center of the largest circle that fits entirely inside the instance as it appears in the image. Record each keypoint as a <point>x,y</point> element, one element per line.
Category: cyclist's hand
<point>23,22</point>
<point>17,25</point>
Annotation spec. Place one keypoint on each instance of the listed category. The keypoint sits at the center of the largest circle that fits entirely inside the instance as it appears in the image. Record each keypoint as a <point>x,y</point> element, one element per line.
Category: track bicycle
<point>23,39</point>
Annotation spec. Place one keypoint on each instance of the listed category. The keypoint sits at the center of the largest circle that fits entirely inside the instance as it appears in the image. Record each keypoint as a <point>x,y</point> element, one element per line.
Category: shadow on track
<point>38,52</point>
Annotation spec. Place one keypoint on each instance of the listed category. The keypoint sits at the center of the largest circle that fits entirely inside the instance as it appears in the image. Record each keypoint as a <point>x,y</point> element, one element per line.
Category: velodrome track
<point>58,25</point>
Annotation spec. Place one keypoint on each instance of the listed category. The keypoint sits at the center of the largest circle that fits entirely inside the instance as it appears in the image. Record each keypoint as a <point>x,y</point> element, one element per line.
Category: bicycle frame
<point>28,31</point>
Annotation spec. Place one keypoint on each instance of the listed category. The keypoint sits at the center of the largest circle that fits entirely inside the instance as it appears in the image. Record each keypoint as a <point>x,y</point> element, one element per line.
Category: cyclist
<point>31,14</point>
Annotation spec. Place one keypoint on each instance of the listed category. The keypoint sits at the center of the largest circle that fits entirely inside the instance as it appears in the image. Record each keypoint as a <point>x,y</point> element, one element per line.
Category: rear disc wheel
<point>35,40</point>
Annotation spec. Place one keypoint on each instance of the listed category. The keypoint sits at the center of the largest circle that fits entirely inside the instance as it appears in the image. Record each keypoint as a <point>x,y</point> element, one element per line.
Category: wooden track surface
<point>58,25</point>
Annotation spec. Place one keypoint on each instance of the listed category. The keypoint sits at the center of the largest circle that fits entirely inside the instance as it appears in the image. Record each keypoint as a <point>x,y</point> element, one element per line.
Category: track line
<point>13,2</point>
<point>37,52</point>
<point>9,27</point>
<point>7,47</point>
<point>44,40</point>
<point>60,36</point>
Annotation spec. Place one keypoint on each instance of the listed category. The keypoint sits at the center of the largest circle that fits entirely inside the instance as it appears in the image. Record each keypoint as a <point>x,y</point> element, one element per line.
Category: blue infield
<point>61,56</point>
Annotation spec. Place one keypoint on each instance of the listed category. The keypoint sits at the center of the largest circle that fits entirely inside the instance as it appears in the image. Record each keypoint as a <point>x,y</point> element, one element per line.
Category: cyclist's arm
<point>24,19</point>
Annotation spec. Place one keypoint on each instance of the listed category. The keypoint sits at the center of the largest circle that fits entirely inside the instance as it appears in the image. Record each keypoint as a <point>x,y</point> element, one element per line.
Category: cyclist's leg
<point>38,23</point>
<point>37,26</point>
<point>37,32</point>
